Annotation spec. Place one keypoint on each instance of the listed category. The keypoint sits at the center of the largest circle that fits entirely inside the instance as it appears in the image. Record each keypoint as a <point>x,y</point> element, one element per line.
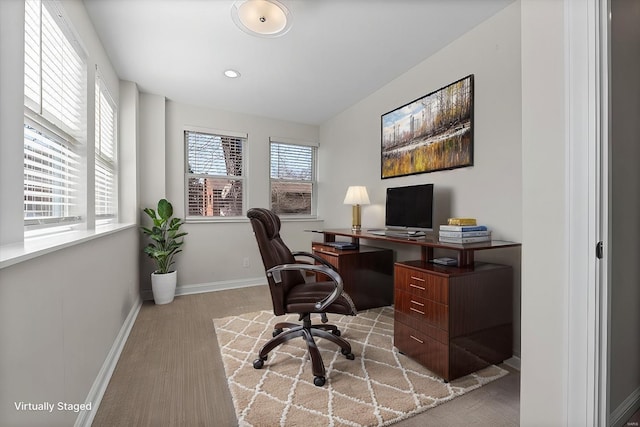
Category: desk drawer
<point>425,328</point>
<point>423,349</point>
<point>422,284</point>
<point>422,309</point>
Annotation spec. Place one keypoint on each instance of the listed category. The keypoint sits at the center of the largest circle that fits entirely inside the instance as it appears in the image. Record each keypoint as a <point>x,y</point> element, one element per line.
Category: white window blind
<point>214,175</point>
<point>54,105</point>
<point>50,178</point>
<point>54,70</point>
<point>106,158</point>
<point>293,178</point>
<point>32,54</point>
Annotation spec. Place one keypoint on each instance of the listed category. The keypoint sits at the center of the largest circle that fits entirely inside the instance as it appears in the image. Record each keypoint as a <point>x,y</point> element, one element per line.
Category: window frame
<point>111,164</point>
<point>187,175</point>
<point>51,123</point>
<point>313,181</point>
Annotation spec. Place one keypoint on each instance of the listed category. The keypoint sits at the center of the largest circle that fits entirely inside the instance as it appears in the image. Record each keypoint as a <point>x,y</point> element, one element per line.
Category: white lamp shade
<point>357,195</point>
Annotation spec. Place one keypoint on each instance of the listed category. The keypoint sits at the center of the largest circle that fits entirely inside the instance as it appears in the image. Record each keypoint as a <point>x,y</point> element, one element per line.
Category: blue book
<point>342,245</point>
<point>464,233</point>
<point>463,228</point>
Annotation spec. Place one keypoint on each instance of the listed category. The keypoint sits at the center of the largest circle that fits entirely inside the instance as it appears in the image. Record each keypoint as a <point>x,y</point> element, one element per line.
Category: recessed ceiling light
<point>232,74</point>
<point>262,18</point>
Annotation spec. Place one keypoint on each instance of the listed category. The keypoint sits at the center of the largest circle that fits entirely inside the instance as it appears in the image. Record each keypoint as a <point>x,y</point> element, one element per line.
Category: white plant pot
<point>164,287</point>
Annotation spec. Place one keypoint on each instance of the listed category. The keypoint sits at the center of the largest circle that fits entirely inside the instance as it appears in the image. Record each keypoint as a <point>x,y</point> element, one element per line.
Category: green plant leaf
<point>165,210</point>
<point>146,230</point>
<point>152,251</point>
<point>175,235</point>
<point>150,212</point>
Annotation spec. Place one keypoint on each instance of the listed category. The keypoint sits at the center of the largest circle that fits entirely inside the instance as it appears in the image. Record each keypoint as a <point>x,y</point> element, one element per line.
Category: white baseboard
<point>85,418</point>
<point>513,362</point>
<point>626,409</point>
<point>200,288</point>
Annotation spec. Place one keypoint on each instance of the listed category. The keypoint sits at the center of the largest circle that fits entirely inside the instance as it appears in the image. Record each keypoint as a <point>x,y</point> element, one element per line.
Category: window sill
<point>37,246</point>
<point>285,218</point>
<point>224,220</point>
<point>241,219</point>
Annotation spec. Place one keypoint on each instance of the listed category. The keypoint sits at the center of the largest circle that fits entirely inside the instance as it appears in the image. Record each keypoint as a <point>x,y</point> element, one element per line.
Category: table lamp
<point>356,196</point>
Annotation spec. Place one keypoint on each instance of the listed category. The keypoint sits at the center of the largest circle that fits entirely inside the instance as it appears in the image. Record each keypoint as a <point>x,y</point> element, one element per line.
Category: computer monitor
<point>410,208</point>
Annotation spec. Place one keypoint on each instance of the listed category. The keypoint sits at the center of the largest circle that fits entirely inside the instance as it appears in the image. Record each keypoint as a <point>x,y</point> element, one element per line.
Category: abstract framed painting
<point>431,133</point>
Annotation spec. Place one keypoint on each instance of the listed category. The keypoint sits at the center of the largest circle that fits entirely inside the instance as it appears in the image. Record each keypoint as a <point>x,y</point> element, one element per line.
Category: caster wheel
<point>336,332</point>
<point>276,332</point>
<point>258,363</point>
<point>319,381</point>
<point>349,356</point>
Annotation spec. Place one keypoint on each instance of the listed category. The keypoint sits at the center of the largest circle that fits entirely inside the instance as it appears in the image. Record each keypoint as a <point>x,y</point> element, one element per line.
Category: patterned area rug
<point>378,388</point>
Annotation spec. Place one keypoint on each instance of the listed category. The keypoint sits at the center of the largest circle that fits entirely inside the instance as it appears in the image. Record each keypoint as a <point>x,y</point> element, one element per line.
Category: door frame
<point>587,109</point>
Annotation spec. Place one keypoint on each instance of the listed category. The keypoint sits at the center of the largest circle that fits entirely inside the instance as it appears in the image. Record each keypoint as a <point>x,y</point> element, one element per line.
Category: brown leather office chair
<point>290,293</point>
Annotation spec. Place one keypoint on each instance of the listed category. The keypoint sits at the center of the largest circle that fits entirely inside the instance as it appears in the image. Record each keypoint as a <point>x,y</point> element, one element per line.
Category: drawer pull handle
<point>416,339</point>
<point>419,279</point>
<point>417,303</point>
<point>416,286</point>
<point>416,310</point>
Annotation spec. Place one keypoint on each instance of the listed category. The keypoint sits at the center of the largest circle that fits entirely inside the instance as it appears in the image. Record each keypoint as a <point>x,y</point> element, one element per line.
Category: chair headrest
<point>269,220</point>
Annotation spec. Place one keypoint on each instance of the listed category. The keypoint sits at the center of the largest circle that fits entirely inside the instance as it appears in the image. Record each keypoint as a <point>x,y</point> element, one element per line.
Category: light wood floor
<point>170,372</point>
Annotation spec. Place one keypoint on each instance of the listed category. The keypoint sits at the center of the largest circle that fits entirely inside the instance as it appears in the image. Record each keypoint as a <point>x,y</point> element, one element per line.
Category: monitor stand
<point>403,233</point>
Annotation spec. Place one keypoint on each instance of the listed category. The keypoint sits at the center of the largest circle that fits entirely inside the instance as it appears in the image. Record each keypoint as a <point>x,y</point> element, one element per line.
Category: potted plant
<point>165,244</point>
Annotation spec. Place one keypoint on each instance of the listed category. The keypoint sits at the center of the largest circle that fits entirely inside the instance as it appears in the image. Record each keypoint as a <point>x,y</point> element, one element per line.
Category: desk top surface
<point>430,240</point>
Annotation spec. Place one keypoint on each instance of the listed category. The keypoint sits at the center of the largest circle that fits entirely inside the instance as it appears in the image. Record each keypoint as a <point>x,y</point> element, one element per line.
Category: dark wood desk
<point>427,244</point>
<point>367,273</point>
<point>452,319</point>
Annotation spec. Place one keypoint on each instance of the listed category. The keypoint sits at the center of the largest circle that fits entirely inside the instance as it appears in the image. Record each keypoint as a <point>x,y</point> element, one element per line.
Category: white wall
<point>59,312</point>
<point>128,155</point>
<point>491,190</point>
<point>11,116</point>
<point>544,247</point>
<point>152,149</point>
<point>59,317</point>
<point>214,251</point>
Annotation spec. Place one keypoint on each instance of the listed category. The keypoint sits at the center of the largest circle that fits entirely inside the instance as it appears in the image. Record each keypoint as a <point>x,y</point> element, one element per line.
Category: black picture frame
<point>431,133</point>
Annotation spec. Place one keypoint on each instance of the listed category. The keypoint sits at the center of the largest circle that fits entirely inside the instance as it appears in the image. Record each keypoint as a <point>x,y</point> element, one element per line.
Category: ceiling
<point>336,53</point>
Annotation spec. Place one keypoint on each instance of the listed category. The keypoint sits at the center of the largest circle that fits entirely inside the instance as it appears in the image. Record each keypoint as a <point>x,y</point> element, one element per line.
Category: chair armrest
<point>315,258</point>
<point>333,275</point>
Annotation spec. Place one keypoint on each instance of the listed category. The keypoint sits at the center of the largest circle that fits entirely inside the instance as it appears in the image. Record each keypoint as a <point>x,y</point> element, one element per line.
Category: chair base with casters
<point>308,331</point>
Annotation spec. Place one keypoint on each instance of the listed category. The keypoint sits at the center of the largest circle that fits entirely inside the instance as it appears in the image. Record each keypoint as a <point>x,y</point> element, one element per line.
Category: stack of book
<point>464,230</point>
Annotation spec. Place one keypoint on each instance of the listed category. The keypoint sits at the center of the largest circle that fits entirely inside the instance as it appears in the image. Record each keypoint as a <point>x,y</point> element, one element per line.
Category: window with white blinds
<point>106,157</point>
<point>51,169</point>
<point>55,97</point>
<point>214,175</point>
<point>293,178</point>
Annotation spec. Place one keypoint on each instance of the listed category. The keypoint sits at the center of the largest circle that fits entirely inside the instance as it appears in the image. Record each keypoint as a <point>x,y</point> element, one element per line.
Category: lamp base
<point>355,218</point>
<point>356,228</point>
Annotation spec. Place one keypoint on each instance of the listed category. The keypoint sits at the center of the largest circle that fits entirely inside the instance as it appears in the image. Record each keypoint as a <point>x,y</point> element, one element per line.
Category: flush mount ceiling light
<point>232,74</point>
<point>262,18</point>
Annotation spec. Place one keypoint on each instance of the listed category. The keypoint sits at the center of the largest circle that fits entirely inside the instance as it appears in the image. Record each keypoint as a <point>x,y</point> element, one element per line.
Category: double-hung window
<point>106,197</point>
<point>293,178</point>
<point>214,175</point>
<point>54,125</point>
